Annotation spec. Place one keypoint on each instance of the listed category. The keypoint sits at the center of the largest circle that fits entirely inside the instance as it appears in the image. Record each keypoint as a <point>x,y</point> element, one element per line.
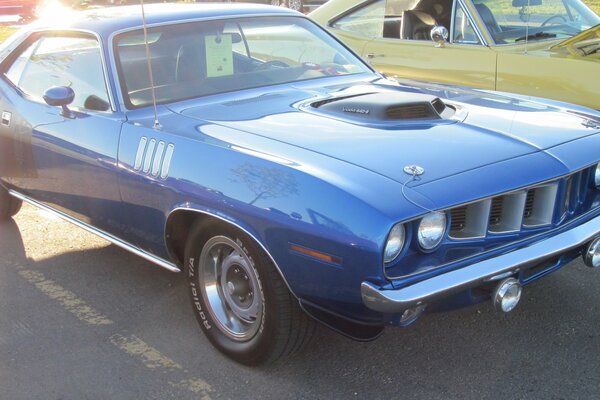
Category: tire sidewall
<point>9,206</point>
<point>257,348</point>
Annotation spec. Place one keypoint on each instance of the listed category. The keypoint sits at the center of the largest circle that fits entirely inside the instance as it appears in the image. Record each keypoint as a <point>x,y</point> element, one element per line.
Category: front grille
<point>458,218</point>
<point>496,211</point>
<point>535,207</point>
<point>529,203</point>
<point>567,201</point>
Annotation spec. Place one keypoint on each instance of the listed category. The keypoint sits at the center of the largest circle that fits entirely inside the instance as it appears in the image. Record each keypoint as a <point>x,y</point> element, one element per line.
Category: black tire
<point>280,328</point>
<point>9,205</point>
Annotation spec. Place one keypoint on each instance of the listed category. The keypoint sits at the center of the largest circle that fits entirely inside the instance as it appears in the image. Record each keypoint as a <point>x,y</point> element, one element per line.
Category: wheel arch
<point>181,220</point>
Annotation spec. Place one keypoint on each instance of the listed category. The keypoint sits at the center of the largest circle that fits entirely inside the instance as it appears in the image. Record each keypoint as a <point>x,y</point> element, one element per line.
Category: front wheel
<point>9,205</point>
<point>240,300</point>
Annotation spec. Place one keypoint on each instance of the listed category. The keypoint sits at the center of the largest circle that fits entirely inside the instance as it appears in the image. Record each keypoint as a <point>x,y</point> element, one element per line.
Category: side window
<point>463,30</point>
<point>366,21</point>
<point>398,19</point>
<point>62,61</point>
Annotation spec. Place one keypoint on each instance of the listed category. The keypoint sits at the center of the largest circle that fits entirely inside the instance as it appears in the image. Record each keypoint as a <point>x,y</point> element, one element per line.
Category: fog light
<point>591,257</point>
<point>507,295</point>
<point>409,316</point>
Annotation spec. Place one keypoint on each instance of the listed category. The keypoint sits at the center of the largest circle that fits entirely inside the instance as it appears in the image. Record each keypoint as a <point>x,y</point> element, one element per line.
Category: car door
<point>398,41</point>
<point>65,157</point>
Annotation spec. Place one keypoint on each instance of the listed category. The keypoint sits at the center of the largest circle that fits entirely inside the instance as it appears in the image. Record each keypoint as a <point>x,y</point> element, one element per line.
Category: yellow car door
<point>457,64</point>
<point>395,37</point>
<point>544,72</point>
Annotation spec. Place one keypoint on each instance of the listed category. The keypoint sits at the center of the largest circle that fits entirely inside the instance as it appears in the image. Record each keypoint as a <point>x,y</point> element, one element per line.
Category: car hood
<point>585,43</point>
<point>486,128</point>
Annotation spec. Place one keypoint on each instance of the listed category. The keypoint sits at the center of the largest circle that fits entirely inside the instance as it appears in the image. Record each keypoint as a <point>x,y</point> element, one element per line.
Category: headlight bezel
<point>442,225</point>
<point>398,231</point>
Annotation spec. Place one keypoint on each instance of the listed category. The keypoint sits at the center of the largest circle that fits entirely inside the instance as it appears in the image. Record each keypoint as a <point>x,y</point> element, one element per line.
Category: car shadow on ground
<point>547,348</point>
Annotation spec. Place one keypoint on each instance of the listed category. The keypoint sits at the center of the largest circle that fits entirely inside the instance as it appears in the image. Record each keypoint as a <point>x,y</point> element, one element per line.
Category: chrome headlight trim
<point>395,243</point>
<point>432,229</point>
<point>597,176</point>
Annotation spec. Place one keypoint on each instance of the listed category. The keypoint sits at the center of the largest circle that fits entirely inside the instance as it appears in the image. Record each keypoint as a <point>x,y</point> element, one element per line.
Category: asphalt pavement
<point>82,319</point>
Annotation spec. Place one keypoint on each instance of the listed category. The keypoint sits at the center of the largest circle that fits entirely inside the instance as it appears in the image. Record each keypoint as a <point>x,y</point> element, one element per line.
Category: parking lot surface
<point>82,319</point>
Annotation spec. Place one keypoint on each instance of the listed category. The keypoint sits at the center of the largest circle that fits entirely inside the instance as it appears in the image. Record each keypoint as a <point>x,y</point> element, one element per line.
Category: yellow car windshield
<point>515,21</point>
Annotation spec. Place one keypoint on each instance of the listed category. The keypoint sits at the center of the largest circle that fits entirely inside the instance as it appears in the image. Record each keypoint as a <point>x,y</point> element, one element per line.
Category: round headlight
<point>394,244</point>
<point>597,176</point>
<point>431,230</point>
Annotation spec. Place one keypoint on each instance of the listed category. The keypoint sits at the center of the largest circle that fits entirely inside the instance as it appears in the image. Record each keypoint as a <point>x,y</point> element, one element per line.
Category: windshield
<point>514,21</point>
<point>202,58</point>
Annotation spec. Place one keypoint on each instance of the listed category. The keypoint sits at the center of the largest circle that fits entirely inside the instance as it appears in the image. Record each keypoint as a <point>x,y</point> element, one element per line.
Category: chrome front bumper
<point>395,301</point>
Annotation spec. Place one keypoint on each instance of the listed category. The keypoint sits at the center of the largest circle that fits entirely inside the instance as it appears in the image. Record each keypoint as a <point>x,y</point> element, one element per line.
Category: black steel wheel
<point>239,298</point>
<point>9,205</point>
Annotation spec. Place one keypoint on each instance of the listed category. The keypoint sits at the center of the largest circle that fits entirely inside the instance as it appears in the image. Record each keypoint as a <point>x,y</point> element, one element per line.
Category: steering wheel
<point>557,16</point>
<point>273,63</point>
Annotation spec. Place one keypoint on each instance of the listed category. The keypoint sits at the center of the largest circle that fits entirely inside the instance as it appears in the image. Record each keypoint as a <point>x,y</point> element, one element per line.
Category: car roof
<point>105,21</point>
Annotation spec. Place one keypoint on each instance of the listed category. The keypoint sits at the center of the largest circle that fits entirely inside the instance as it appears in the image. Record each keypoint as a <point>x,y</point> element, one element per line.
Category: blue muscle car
<point>247,147</point>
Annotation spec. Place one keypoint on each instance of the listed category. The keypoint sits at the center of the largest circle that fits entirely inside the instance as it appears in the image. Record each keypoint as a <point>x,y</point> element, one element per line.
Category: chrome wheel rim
<point>231,288</point>
<point>295,5</point>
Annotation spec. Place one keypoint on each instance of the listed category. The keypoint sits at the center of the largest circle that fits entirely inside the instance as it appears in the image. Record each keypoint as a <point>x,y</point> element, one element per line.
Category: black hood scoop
<point>387,106</point>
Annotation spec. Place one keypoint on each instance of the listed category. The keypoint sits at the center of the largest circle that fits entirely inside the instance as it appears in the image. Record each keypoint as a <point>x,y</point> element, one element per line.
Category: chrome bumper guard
<point>395,301</point>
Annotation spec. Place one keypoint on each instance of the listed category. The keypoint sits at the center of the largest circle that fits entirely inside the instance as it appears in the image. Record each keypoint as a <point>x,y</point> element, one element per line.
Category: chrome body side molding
<point>106,236</point>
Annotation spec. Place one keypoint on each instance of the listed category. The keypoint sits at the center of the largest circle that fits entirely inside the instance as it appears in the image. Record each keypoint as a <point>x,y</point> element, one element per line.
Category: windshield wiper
<point>538,35</point>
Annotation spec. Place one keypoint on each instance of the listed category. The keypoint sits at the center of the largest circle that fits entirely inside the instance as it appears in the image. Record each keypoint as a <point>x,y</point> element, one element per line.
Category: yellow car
<point>543,48</point>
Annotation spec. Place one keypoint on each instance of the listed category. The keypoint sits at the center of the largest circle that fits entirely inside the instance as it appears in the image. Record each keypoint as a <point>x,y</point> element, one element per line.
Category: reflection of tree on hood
<point>264,182</point>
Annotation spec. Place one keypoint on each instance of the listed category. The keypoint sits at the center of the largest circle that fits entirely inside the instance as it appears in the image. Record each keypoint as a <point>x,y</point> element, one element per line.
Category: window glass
<point>201,58</point>
<point>398,19</point>
<point>16,69</point>
<point>513,21</point>
<point>366,21</point>
<point>463,30</point>
<point>62,61</point>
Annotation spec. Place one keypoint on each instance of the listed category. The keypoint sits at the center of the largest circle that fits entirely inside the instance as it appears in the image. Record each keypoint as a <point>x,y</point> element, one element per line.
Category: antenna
<point>152,90</point>
<point>526,25</point>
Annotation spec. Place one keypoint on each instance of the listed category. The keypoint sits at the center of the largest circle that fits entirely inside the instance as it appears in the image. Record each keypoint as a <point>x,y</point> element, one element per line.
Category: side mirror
<point>60,96</point>
<point>439,34</point>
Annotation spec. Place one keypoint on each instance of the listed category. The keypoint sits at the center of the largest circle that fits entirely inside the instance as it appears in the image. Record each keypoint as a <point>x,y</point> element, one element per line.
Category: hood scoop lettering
<point>388,106</point>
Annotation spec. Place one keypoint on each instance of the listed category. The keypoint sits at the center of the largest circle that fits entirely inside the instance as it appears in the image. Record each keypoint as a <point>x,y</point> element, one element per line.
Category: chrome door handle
<point>371,56</point>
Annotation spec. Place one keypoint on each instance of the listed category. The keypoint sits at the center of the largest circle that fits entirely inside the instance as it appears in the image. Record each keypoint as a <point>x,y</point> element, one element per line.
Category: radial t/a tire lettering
<point>240,300</point>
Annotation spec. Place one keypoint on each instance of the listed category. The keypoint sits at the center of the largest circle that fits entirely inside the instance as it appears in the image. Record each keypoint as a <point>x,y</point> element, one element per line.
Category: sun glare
<point>53,10</point>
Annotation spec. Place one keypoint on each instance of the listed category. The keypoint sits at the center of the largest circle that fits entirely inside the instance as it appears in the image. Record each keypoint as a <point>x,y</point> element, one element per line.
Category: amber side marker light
<point>316,254</point>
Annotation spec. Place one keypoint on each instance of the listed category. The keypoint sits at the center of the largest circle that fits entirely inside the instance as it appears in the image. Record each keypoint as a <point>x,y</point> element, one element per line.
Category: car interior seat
<point>416,25</point>
<point>488,18</point>
<point>191,62</point>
